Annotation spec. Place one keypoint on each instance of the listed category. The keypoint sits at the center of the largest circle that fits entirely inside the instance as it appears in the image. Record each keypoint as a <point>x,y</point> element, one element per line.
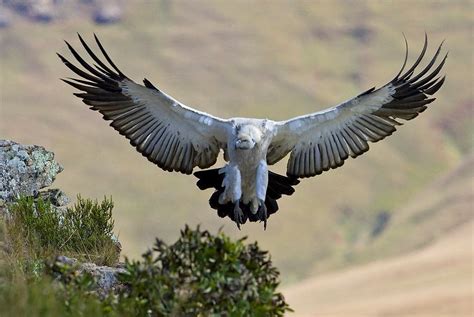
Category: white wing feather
<point>324,140</point>
<point>168,133</point>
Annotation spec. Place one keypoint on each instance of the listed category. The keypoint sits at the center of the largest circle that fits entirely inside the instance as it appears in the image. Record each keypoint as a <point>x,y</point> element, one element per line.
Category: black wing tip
<point>368,91</point>
<point>62,58</point>
<point>67,81</point>
<point>432,89</point>
<point>107,57</point>
<point>102,75</point>
<point>148,84</point>
<point>67,43</point>
<point>404,61</point>
<point>410,71</point>
<point>83,42</point>
<point>408,78</point>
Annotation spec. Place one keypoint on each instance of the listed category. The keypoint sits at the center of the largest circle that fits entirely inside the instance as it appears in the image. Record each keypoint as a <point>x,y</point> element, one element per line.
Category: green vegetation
<point>199,275</point>
<point>45,297</point>
<point>203,275</point>
<point>38,230</point>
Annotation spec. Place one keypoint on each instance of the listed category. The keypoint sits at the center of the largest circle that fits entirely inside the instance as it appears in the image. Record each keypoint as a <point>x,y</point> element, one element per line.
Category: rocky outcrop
<point>25,170</point>
<point>104,276</point>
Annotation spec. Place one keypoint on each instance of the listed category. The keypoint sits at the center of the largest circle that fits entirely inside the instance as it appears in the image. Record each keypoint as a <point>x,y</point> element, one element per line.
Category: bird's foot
<point>239,216</point>
<point>262,213</point>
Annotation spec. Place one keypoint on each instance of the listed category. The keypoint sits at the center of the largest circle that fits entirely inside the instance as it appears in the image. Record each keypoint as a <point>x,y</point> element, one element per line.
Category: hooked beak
<point>244,144</point>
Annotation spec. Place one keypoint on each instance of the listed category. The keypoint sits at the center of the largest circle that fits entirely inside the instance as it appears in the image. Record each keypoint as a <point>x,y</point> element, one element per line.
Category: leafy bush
<point>202,275</point>
<point>36,229</point>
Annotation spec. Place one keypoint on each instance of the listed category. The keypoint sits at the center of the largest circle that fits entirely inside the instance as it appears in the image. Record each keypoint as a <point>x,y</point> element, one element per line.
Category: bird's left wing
<point>324,140</point>
<point>171,135</point>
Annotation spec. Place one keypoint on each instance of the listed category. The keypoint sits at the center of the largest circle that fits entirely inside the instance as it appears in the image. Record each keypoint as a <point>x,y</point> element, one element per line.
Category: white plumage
<point>178,138</point>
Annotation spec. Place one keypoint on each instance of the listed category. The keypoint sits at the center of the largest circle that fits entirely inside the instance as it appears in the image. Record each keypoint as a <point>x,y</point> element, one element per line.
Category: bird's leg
<point>239,217</point>
<point>261,180</point>
<point>231,183</point>
<point>261,188</point>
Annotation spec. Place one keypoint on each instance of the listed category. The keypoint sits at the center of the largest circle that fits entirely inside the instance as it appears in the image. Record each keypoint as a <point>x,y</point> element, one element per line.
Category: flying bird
<point>179,138</point>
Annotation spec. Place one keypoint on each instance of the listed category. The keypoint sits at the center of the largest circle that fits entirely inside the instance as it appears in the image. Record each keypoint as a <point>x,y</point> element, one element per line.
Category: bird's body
<point>250,162</point>
<point>178,138</point>
<point>246,174</point>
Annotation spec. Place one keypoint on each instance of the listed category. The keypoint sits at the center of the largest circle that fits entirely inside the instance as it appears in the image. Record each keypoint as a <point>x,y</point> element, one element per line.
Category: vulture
<point>179,138</point>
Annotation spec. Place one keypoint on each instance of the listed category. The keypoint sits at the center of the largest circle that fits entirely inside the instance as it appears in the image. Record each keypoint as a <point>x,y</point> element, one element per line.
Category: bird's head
<point>247,137</point>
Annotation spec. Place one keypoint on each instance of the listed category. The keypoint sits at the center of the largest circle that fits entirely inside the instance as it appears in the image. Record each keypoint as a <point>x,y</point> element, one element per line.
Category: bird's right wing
<point>171,135</point>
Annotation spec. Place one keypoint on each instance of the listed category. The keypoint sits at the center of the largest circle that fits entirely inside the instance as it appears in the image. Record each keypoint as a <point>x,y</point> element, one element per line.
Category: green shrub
<point>46,297</point>
<point>32,286</point>
<point>36,229</point>
<point>202,275</point>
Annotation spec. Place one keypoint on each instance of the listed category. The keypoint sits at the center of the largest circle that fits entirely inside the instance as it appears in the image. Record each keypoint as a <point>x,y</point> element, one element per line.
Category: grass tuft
<point>38,230</point>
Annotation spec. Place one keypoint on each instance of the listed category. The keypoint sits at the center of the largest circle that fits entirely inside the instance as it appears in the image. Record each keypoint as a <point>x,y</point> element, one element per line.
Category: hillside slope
<point>436,280</point>
<point>250,59</point>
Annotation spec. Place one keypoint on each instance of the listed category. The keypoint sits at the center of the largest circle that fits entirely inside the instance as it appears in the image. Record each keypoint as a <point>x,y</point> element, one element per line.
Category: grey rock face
<point>55,196</point>
<point>25,169</point>
<point>105,276</point>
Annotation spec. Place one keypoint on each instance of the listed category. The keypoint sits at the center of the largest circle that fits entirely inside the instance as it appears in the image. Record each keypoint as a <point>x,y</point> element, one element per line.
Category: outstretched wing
<point>170,134</point>
<point>324,140</point>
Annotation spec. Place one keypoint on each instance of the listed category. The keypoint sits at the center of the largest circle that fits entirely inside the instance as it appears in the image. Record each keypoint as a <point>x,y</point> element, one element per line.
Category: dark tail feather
<point>209,179</point>
<point>278,185</point>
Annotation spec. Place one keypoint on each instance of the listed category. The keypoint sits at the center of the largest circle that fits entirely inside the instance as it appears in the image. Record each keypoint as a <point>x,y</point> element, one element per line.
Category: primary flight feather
<point>178,138</point>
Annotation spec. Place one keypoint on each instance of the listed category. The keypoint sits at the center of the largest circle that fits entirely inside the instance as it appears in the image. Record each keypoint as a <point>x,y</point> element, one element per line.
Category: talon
<point>238,215</point>
<point>262,214</point>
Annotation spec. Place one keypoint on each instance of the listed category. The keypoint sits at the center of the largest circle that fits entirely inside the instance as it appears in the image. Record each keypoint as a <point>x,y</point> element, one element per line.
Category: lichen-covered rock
<point>104,276</point>
<point>25,169</point>
<point>55,196</point>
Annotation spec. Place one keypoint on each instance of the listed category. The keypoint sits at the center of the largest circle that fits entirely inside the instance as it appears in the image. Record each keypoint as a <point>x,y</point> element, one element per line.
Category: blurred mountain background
<point>394,225</point>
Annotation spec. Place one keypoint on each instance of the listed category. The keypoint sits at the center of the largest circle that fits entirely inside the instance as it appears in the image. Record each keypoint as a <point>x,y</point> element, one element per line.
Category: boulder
<point>25,169</point>
<point>104,276</point>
